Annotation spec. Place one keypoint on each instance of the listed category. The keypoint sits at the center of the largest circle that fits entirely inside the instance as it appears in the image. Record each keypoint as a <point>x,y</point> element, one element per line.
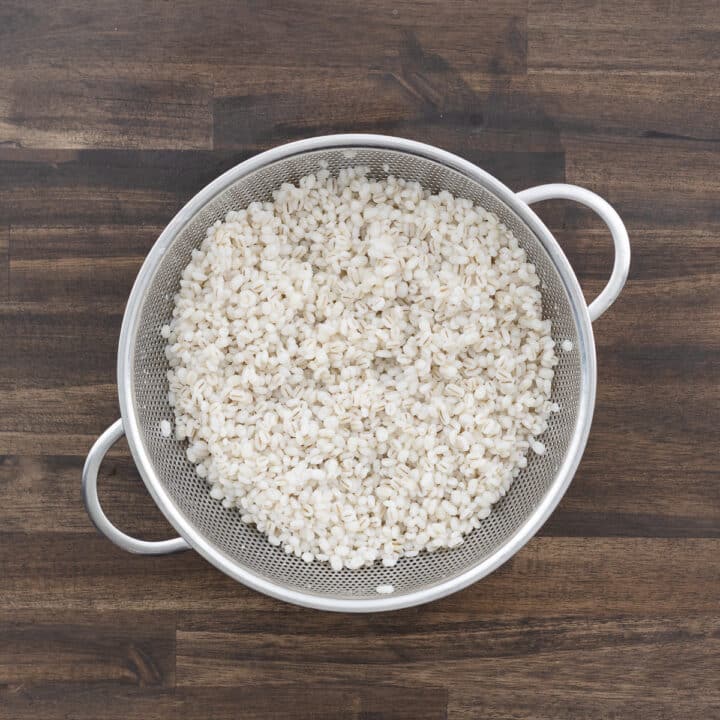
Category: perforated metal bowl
<point>239,549</point>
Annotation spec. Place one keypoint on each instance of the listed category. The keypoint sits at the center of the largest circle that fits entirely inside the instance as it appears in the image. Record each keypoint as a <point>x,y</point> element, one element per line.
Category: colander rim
<point>531,525</point>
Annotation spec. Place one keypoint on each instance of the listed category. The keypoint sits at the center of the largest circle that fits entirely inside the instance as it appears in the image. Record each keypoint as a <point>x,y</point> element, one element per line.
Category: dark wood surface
<point>112,114</point>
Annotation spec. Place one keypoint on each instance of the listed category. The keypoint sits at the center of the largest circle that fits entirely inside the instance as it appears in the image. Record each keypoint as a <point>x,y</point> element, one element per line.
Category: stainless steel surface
<point>96,513</point>
<point>218,533</point>
<point>621,264</point>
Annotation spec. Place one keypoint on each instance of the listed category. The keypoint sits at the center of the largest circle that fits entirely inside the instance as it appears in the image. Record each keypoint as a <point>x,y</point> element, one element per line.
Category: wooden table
<point>112,114</point>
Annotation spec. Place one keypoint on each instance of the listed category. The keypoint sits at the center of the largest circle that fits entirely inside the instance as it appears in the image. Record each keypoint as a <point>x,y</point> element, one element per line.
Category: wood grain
<point>91,105</point>
<point>639,172</point>
<point>603,36</point>
<point>557,575</point>
<point>113,115</point>
<point>24,478</point>
<point>256,702</point>
<point>4,264</point>
<point>66,648</point>
<point>496,658</point>
<point>248,33</point>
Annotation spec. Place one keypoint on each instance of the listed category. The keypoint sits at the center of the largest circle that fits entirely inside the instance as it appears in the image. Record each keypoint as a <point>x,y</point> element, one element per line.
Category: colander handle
<point>562,191</point>
<point>95,511</point>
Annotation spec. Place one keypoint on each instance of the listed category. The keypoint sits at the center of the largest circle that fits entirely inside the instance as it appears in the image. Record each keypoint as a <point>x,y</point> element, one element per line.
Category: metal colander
<point>218,533</point>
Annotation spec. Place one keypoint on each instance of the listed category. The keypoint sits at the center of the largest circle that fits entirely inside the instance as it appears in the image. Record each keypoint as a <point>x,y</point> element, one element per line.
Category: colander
<point>218,533</point>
